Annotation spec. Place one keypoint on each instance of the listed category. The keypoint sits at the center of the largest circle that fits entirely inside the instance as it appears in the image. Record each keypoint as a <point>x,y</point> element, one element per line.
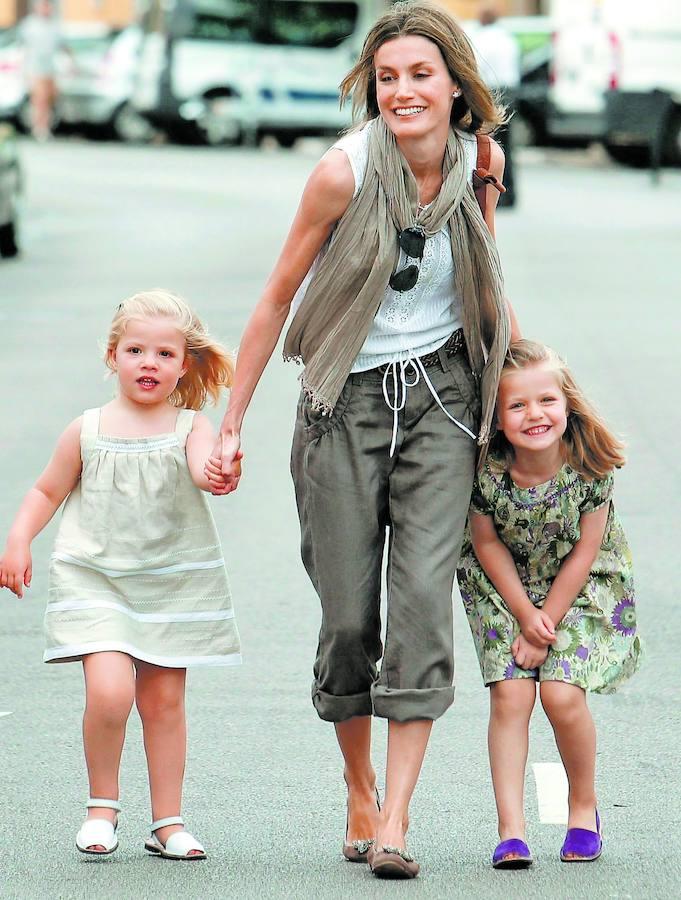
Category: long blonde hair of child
<point>590,447</point>
<point>210,365</point>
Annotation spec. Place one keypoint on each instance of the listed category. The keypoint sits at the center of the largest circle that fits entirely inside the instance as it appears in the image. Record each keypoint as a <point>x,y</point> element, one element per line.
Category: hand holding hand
<point>537,627</point>
<point>223,467</point>
<point>16,569</point>
<point>527,655</point>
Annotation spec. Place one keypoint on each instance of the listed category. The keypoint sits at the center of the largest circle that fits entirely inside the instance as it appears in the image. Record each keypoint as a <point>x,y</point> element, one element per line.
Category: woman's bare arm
<point>326,196</point>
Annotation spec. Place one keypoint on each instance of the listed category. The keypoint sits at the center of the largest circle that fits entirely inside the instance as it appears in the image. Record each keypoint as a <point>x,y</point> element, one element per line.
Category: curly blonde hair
<point>590,447</point>
<point>477,109</point>
<point>210,365</point>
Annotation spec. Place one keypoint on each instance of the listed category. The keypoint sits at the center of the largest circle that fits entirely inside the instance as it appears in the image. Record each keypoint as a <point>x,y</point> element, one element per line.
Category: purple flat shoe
<point>584,844</point>
<point>514,845</point>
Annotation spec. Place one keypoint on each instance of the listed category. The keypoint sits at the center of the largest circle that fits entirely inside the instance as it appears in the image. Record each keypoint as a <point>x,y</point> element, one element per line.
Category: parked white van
<point>616,75</point>
<point>234,69</point>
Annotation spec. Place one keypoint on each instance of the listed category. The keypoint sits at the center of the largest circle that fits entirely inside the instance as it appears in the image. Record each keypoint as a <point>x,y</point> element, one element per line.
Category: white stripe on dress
<point>86,605</point>
<point>137,446</point>
<point>169,662</point>
<point>163,570</point>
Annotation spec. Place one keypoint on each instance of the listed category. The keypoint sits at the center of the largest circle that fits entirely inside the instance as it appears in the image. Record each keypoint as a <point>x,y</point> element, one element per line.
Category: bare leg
<point>42,94</point>
<point>354,740</point>
<point>407,742</point>
<point>511,705</point>
<point>160,702</point>
<point>575,733</point>
<point>109,694</point>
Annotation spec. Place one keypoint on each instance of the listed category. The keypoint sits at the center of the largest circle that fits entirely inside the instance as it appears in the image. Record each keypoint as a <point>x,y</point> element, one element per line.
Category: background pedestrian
<point>41,37</point>
<point>498,57</point>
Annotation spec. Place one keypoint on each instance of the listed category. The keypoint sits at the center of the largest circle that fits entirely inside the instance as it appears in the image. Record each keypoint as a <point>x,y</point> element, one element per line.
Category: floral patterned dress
<point>597,647</point>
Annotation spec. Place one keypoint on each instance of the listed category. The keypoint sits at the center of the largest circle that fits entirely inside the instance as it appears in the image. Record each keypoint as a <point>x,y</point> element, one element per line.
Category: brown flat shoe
<point>356,851</point>
<point>392,862</point>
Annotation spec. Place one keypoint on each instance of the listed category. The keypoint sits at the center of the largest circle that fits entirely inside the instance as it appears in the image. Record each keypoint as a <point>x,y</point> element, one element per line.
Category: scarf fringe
<point>317,401</point>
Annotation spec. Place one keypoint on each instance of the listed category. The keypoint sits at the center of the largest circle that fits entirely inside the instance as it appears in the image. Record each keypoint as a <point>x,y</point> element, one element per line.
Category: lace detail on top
<point>416,321</point>
<point>437,270</point>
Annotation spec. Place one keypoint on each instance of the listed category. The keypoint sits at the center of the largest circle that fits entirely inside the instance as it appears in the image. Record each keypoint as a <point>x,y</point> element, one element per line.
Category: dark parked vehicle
<point>10,188</point>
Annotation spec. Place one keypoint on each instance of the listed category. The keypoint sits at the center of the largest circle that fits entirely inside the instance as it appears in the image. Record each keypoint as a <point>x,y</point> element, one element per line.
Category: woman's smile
<point>412,79</point>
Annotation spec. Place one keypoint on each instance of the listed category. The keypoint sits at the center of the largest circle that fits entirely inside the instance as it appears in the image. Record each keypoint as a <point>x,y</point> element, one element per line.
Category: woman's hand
<point>527,655</point>
<point>537,627</point>
<point>16,568</point>
<point>223,467</point>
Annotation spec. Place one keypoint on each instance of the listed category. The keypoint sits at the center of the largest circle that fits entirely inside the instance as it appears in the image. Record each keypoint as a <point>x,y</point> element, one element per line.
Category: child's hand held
<point>225,462</point>
<point>16,569</point>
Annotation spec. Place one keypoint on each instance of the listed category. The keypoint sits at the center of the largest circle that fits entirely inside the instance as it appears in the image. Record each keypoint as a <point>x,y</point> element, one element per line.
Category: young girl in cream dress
<point>138,589</point>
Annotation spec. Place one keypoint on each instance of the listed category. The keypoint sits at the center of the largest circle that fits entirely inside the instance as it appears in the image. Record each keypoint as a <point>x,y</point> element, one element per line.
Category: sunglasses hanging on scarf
<point>412,242</point>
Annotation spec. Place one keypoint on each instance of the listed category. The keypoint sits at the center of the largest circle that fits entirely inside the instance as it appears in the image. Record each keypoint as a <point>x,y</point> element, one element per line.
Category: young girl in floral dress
<point>547,585</point>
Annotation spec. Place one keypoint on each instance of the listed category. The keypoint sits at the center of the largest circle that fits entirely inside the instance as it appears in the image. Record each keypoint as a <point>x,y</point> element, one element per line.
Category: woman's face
<point>413,86</point>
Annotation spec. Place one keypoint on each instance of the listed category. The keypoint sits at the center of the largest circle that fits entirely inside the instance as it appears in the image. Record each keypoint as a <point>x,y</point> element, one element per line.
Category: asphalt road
<point>591,260</point>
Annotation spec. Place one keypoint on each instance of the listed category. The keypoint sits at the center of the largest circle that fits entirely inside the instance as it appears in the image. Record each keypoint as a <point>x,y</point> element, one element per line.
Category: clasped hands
<point>537,632</point>
<point>223,466</point>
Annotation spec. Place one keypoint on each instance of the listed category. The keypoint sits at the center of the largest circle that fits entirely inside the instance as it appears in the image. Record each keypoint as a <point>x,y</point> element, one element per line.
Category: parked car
<point>10,189</point>
<point>616,75</point>
<point>97,91</point>
<point>230,70</point>
<point>94,81</point>
<point>12,82</point>
<point>532,99</point>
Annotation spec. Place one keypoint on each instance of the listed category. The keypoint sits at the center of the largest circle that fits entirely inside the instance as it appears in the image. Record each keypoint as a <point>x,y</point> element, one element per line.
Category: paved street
<point>591,260</point>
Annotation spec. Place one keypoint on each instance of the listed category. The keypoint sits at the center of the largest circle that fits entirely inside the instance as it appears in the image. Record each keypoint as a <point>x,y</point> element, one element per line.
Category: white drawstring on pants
<point>400,385</point>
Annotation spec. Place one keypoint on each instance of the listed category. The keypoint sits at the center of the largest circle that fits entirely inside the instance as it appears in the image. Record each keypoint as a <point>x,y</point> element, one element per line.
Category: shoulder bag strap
<point>482,176</point>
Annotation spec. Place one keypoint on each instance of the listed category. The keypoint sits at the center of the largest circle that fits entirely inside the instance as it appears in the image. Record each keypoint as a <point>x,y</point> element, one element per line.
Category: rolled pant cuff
<point>409,705</point>
<point>337,709</point>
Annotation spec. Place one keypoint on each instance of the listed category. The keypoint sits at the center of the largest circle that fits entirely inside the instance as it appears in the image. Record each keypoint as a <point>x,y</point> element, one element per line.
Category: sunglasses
<point>412,241</point>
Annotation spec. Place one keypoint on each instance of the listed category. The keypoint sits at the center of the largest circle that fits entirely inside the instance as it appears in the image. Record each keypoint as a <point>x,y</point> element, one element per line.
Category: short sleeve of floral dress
<point>597,646</point>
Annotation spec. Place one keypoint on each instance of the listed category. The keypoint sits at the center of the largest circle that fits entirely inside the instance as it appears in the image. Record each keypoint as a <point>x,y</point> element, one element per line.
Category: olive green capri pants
<point>350,493</point>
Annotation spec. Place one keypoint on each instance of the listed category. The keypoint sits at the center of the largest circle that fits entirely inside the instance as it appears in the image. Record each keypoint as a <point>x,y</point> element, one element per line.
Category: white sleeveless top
<point>415,322</point>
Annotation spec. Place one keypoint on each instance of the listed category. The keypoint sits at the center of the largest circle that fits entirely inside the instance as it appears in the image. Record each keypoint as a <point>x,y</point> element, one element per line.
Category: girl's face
<point>531,408</point>
<point>413,86</point>
<point>149,359</point>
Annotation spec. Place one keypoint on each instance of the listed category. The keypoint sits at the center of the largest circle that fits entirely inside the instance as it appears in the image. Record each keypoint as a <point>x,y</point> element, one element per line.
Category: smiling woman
<point>401,322</point>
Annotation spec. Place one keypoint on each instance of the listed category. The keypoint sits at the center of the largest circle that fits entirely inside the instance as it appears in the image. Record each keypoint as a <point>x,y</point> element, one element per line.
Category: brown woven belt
<point>455,344</point>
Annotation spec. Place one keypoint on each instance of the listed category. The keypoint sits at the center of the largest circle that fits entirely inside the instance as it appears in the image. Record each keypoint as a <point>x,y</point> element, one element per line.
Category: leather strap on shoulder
<point>482,176</point>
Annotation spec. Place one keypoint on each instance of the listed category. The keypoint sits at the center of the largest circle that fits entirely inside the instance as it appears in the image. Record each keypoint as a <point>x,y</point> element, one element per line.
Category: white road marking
<point>5,714</point>
<point>552,793</point>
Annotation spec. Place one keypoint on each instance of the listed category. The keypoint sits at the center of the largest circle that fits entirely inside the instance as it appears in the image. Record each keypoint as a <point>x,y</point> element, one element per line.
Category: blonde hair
<point>210,365</point>
<point>590,447</point>
<point>475,110</point>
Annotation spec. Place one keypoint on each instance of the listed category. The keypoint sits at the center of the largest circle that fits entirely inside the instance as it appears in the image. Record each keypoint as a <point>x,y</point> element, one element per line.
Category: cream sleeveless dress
<point>137,565</point>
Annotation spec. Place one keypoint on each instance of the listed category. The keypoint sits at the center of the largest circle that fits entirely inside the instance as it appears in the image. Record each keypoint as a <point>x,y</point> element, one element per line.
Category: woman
<point>40,34</point>
<point>403,288</point>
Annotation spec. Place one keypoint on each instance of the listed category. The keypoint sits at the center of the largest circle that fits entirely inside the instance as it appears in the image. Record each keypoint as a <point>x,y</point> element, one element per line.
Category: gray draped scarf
<point>334,318</point>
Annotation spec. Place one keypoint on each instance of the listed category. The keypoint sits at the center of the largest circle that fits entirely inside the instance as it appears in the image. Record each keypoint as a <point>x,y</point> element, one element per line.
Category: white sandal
<point>99,832</point>
<point>178,846</point>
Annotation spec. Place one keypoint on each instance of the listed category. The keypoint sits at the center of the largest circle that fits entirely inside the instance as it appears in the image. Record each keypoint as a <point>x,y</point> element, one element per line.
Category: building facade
<point>118,13</point>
